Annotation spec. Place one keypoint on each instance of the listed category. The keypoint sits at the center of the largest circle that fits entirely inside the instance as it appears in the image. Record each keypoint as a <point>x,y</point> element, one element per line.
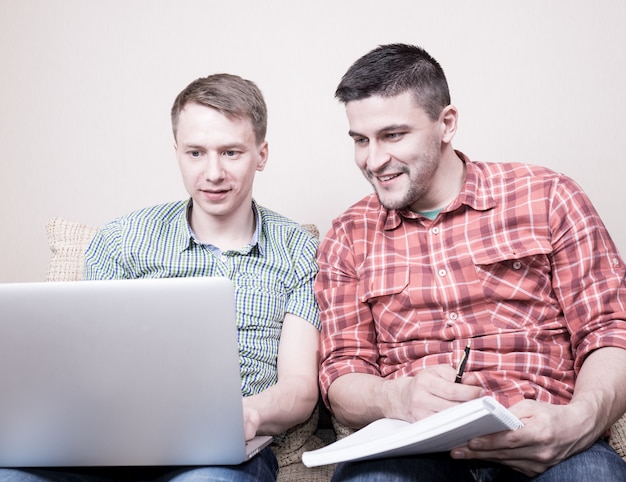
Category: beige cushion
<point>618,436</point>
<point>68,241</point>
<point>297,440</point>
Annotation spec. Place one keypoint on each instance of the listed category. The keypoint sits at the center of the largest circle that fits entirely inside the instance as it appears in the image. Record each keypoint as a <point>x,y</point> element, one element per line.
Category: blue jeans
<point>262,467</point>
<point>599,463</point>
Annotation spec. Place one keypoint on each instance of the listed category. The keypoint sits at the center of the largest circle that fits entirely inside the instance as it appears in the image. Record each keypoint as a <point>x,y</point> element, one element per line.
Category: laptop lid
<point>124,372</point>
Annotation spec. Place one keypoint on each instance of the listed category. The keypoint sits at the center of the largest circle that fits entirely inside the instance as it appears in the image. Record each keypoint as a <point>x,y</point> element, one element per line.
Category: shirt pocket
<point>516,283</point>
<point>382,281</point>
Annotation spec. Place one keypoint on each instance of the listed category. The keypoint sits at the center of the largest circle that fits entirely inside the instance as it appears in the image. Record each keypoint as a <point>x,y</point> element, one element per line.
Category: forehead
<point>375,113</point>
<point>198,122</point>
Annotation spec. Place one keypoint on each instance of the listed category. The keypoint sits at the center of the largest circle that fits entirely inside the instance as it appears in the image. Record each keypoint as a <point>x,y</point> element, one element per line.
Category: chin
<point>391,203</point>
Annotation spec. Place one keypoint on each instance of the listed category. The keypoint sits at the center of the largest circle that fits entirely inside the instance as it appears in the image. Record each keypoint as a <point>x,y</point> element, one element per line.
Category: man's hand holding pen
<point>431,390</point>
<point>461,366</point>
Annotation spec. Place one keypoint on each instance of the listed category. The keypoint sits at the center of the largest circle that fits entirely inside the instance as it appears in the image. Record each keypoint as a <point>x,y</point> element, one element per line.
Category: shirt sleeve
<point>348,333</point>
<point>588,273</point>
<point>302,300</point>
<point>103,257</point>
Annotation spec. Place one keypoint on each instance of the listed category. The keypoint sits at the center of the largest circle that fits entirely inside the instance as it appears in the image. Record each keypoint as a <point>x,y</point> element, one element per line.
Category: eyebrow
<point>392,127</point>
<point>225,147</point>
<point>193,146</point>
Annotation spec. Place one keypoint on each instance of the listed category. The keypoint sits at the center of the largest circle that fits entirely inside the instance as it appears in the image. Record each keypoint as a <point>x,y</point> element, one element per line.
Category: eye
<point>393,136</point>
<point>360,141</point>
<point>232,154</point>
<point>194,153</point>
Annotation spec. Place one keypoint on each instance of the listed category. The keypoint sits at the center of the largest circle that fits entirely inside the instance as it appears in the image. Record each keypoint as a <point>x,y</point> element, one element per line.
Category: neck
<point>225,232</point>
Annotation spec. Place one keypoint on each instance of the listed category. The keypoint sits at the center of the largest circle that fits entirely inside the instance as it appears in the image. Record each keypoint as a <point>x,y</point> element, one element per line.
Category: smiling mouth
<point>214,191</point>
<point>388,177</point>
<point>214,195</point>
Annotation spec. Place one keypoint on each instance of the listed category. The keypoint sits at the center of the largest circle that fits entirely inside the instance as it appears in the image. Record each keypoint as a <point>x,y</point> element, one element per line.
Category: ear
<point>448,121</point>
<point>263,153</point>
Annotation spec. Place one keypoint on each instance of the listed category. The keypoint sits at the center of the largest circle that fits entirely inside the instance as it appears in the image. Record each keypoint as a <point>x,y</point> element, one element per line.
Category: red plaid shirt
<point>520,263</point>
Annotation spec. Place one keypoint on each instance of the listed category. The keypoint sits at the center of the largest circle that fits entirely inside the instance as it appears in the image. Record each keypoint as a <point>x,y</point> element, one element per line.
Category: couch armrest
<point>68,241</point>
<point>618,437</point>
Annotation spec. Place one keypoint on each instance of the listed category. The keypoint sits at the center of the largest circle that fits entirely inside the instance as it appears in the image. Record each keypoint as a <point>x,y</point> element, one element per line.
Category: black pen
<point>461,367</point>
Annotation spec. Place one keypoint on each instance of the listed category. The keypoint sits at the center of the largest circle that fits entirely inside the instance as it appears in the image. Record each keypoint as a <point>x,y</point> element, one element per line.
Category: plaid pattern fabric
<point>272,276</point>
<point>520,263</point>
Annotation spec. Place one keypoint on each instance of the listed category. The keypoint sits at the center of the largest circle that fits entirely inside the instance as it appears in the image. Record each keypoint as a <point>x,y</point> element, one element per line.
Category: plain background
<point>86,89</point>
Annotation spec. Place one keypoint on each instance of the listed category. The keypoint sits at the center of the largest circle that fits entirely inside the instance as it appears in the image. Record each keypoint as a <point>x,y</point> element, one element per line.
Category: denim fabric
<point>263,467</point>
<point>599,463</point>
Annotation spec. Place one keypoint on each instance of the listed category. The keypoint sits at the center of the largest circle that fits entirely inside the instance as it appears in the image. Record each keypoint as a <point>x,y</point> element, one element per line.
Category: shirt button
<point>435,230</point>
<point>517,265</point>
<point>442,272</point>
<point>615,261</point>
<point>452,316</point>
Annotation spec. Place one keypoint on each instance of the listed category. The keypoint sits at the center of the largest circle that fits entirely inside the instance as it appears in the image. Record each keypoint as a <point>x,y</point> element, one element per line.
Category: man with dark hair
<point>510,256</point>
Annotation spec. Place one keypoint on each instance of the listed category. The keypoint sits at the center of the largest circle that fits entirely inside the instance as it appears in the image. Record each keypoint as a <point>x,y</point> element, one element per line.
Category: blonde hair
<point>229,94</point>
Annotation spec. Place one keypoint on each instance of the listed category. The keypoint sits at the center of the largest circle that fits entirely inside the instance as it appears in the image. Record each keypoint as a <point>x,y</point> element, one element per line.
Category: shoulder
<point>158,214</point>
<point>159,221</point>
<point>518,188</point>
<point>154,216</point>
<point>514,171</point>
<point>502,179</point>
<point>364,214</point>
<point>280,230</point>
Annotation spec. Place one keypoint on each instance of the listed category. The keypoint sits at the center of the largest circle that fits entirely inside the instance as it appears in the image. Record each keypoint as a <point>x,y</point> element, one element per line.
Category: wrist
<point>392,394</point>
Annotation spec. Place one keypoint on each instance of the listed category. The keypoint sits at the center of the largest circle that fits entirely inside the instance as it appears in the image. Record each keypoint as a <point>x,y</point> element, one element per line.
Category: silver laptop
<point>118,373</point>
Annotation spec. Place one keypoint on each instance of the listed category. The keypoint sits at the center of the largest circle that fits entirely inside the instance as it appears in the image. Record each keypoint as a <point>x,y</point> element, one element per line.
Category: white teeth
<point>387,178</point>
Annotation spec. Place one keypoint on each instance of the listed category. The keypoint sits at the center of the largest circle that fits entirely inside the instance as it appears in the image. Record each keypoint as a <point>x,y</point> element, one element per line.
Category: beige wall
<point>86,88</point>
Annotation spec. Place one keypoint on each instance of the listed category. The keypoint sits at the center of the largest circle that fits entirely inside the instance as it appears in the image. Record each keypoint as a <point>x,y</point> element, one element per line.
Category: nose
<point>214,169</point>
<point>376,157</point>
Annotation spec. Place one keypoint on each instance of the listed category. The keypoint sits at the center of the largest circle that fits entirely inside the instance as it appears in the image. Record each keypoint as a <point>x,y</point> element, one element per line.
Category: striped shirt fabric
<point>519,262</point>
<point>272,276</point>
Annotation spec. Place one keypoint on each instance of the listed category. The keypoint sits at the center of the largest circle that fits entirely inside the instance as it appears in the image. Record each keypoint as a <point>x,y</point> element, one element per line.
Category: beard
<point>420,174</point>
<point>413,194</point>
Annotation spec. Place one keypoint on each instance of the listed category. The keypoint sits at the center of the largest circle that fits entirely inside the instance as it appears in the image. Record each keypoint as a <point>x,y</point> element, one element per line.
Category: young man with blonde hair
<point>219,124</point>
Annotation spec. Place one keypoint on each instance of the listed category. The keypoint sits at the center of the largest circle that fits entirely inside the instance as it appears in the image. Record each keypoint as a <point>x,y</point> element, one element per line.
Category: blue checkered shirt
<point>273,275</point>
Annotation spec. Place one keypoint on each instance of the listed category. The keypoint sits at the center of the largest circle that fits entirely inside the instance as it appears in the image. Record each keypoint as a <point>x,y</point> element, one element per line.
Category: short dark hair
<point>394,69</point>
<point>230,95</point>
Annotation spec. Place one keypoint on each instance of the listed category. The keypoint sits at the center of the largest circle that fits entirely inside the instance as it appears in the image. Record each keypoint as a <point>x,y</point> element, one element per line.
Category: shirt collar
<point>256,237</point>
<point>185,237</point>
<point>476,191</point>
<point>184,234</point>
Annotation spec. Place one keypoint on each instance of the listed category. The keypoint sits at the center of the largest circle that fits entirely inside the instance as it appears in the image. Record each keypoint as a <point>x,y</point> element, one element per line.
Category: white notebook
<point>440,432</point>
